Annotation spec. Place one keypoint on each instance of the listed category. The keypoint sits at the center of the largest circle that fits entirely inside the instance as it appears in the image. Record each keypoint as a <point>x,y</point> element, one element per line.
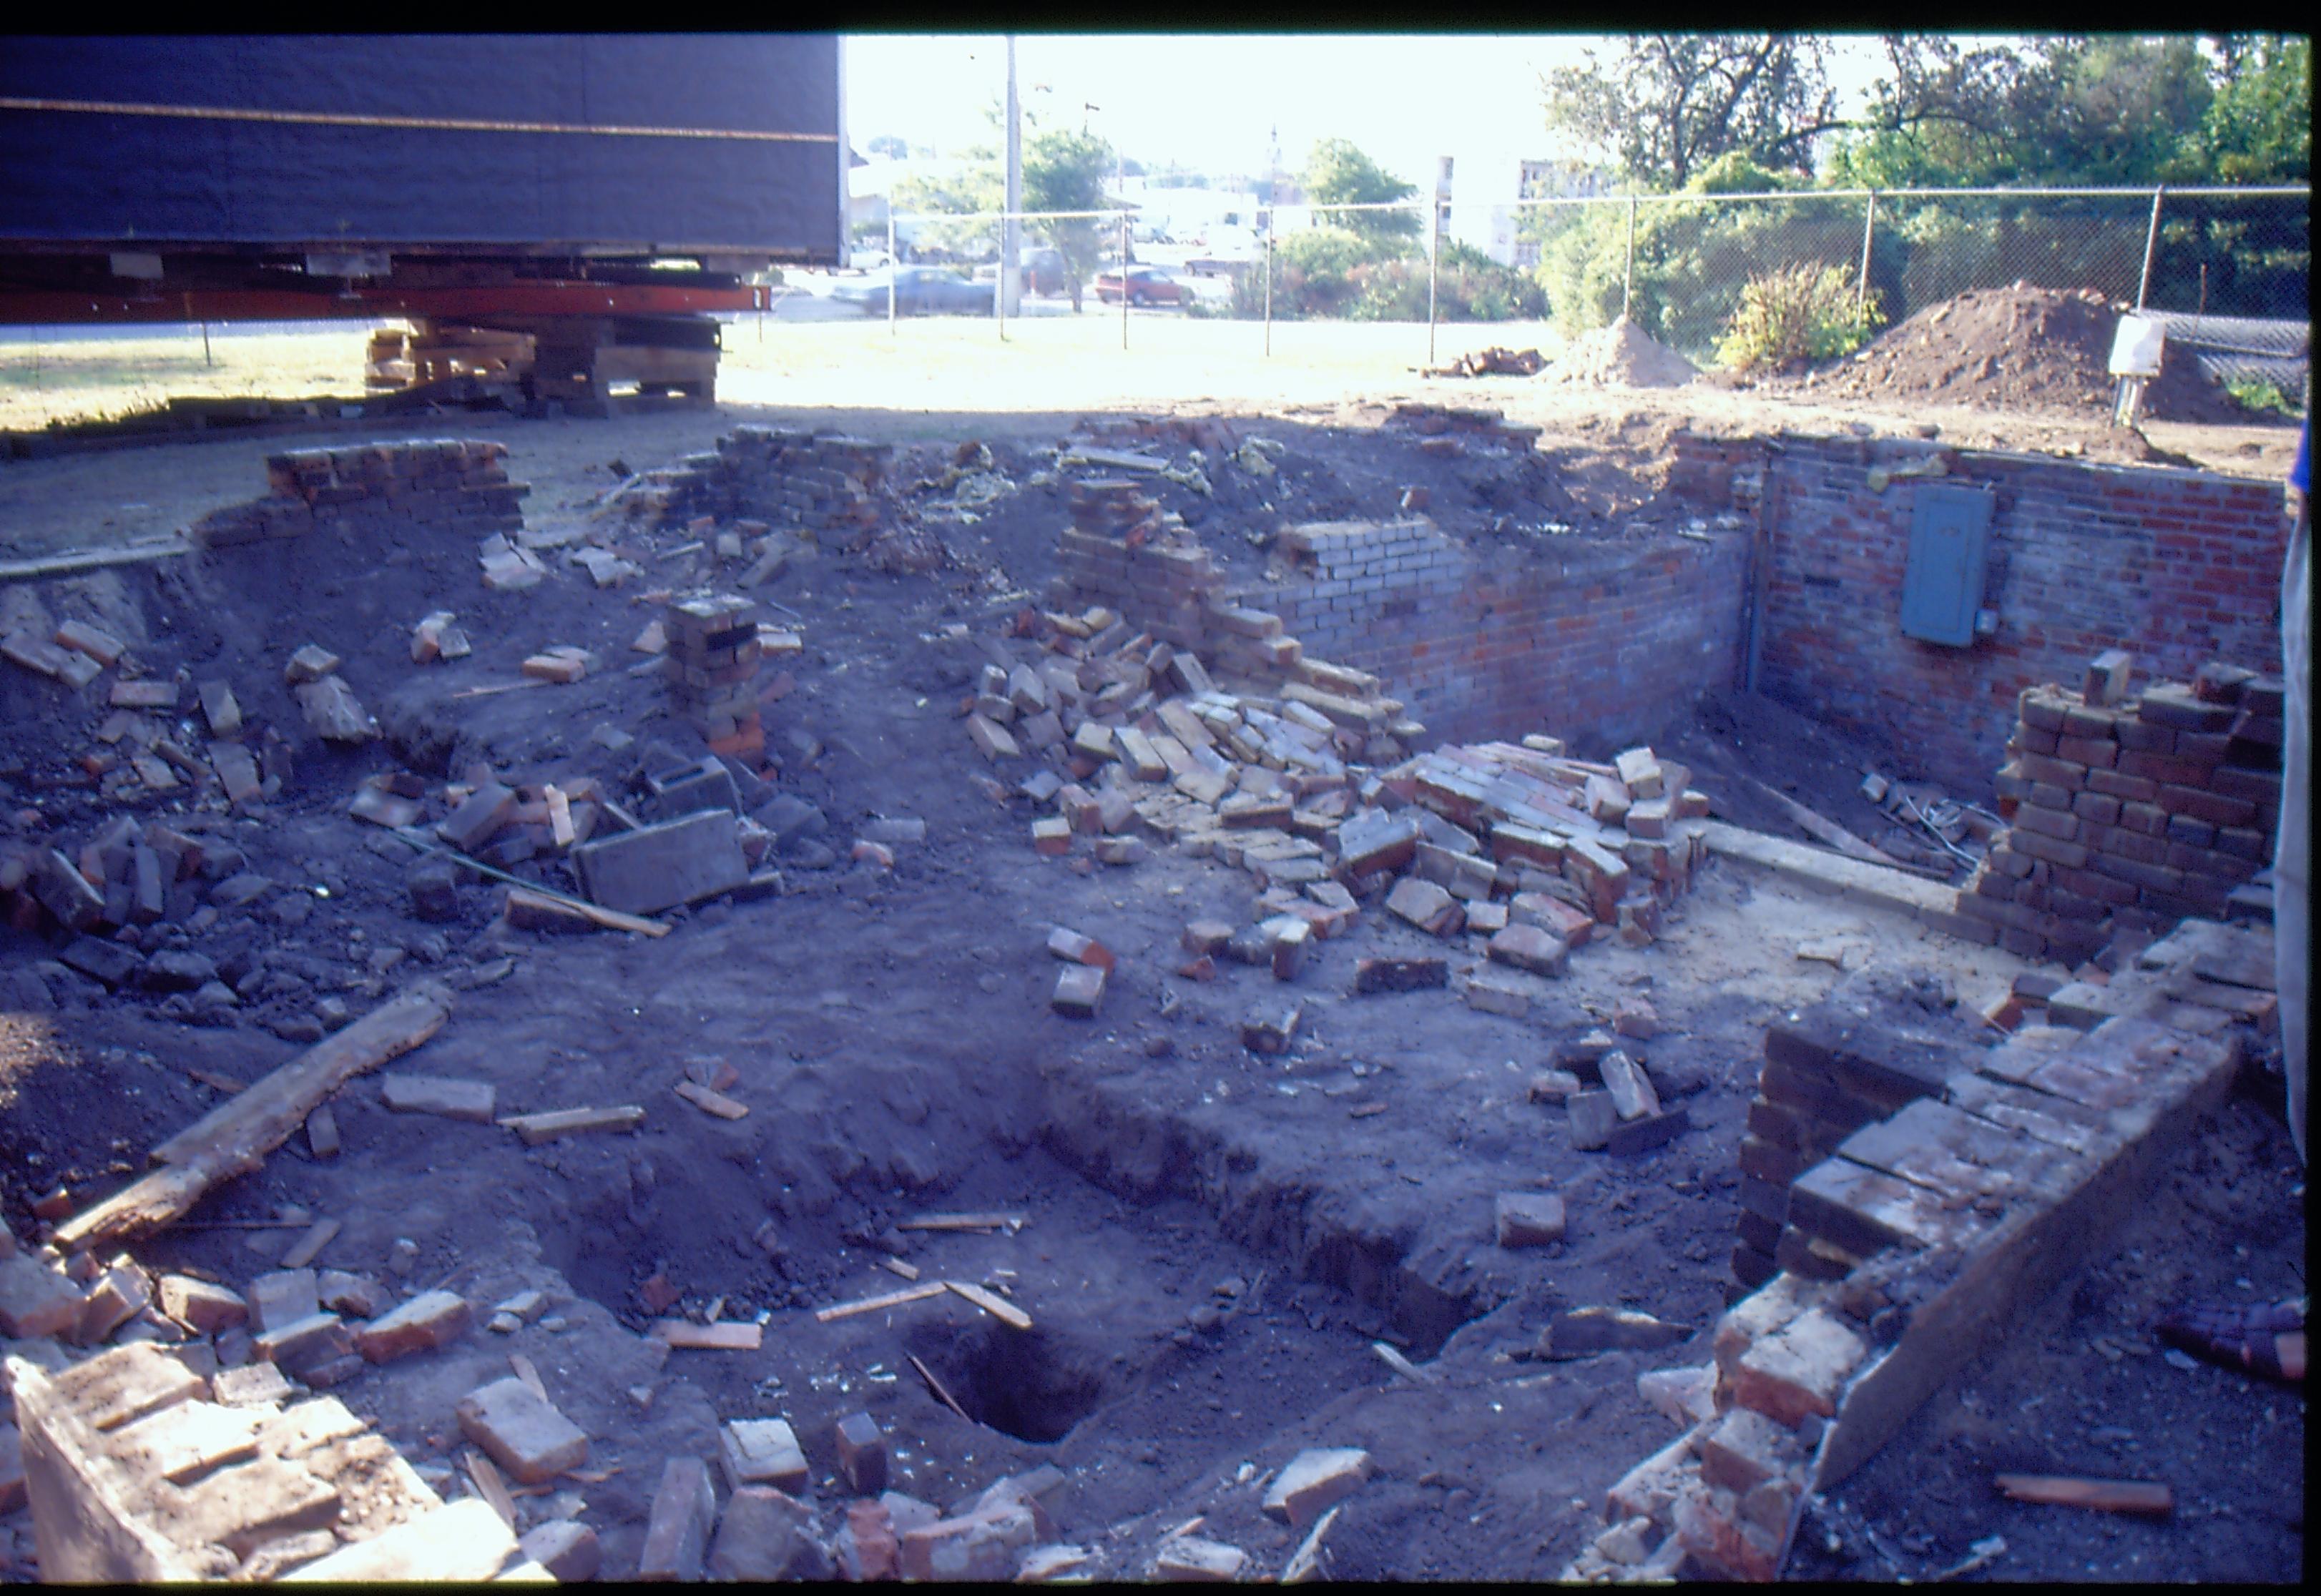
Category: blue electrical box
<point>1950,544</point>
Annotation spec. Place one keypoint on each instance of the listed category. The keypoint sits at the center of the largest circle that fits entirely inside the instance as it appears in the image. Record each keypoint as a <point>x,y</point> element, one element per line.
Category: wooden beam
<point>992,1303</point>
<point>235,1138</point>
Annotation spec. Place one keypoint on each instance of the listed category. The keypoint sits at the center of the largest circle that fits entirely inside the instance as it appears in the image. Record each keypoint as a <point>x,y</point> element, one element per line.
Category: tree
<point>2259,128</point>
<point>1065,170</point>
<point>889,146</point>
<point>1666,105</point>
<point>1339,173</point>
<point>975,186</point>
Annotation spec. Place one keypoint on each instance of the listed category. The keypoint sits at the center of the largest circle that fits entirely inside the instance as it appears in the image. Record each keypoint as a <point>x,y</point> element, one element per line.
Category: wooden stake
<point>307,1248</point>
<point>2110,1496</point>
<point>536,1128</point>
<point>528,1373</point>
<point>963,1221</point>
<point>489,1485</point>
<point>935,1386</point>
<point>740,1335</point>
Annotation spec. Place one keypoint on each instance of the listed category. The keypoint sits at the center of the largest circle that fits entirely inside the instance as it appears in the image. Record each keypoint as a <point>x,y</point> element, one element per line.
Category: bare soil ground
<point>1213,1239</point>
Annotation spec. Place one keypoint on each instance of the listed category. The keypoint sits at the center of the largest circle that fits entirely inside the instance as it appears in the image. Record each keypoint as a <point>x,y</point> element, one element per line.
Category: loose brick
<point>201,1307</point>
<point>282,1297</point>
<point>1079,991</point>
<point>1528,1219</point>
<point>676,1533</point>
<point>1400,974</point>
<point>762,1452</point>
<point>861,1453</point>
<point>1314,1480</point>
<point>471,1100</point>
<point>429,1320</point>
<point>1799,1369</point>
<point>523,1432</point>
<point>1528,948</point>
<point>1427,906</point>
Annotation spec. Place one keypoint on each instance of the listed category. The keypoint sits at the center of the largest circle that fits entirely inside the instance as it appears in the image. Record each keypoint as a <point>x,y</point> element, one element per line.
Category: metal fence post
<point>1628,269</point>
<point>1123,279</point>
<point>999,288</point>
<point>2151,243</point>
<point>892,271</point>
<point>1269,293</point>
<point>1868,220</point>
<point>1434,257</point>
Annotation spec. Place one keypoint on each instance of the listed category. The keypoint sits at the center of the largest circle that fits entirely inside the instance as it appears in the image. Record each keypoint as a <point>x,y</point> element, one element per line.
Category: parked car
<point>917,290</point>
<point>1147,285</point>
<point>867,257</point>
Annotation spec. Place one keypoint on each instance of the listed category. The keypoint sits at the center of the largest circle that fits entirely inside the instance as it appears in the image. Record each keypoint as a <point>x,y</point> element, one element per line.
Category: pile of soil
<point>2019,349</point>
<point>1623,355</point>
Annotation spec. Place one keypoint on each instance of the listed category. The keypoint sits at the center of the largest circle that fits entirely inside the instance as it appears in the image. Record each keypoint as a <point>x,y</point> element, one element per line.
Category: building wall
<point>2178,566</point>
<point>1595,641</point>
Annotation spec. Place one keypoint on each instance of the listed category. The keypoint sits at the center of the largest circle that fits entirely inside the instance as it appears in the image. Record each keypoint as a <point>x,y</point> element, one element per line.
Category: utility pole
<point>1011,233</point>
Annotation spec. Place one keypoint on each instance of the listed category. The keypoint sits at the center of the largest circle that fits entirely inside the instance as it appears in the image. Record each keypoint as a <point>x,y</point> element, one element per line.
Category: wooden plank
<point>528,1373</point>
<point>992,1303</point>
<point>2110,1496</point>
<point>235,1138</point>
<point>612,919</point>
<point>486,1478</point>
<point>917,1294</point>
<point>739,1335</point>
<point>536,1128</point>
<point>963,1221</point>
<point>896,1266</point>
<point>1825,830</point>
<point>712,1102</point>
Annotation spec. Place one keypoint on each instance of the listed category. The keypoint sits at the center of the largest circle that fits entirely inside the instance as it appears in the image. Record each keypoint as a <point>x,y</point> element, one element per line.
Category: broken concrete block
<point>434,1094</point>
<point>1529,1219</point>
<point>1207,936</point>
<point>861,1453</point>
<point>521,1431</point>
<point>1400,974</point>
<point>762,1452</point>
<point>660,866</point>
<point>1427,906</point>
<point>333,712</point>
<point>220,708</point>
<point>565,1547</point>
<point>429,1320</point>
<point>464,1542</point>
<point>1313,1481</point>
<point>1078,991</point>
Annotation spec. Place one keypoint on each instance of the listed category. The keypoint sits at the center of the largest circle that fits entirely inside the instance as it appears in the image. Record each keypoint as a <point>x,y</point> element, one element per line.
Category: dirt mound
<point>2019,349</point>
<point>1624,355</point>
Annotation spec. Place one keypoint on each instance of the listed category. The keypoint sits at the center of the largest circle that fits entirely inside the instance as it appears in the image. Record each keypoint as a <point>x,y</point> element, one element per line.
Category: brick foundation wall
<point>1600,642</point>
<point>2178,566</point>
<point>781,475</point>
<point>452,484</point>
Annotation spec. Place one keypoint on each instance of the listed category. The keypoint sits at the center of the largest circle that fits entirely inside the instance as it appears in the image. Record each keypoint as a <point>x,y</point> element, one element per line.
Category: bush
<point>2262,396</point>
<point>1797,315</point>
<point>1328,272</point>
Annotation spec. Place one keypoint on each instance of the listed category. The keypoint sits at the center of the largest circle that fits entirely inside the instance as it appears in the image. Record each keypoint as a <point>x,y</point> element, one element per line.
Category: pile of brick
<point>1162,583</point>
<point>1114,507</point>
<point>1202,432</point>
<point>458,486</point>
<point>712,670</point>
<point>1447,422</point>
<point>1928,1232</point>
<point>2129,813</point>
<point>787,475</point>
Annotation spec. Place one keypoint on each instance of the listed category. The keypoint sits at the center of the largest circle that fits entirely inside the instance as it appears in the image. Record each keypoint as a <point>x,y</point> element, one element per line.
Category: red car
<point>1147,285</point>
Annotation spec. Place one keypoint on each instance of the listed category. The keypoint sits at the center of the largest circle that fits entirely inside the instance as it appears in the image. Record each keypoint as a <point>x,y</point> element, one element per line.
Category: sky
<point>1210,102</point>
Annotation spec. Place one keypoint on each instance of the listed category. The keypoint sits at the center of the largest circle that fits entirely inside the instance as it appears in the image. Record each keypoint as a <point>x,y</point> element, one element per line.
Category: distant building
<point>1484,192</point>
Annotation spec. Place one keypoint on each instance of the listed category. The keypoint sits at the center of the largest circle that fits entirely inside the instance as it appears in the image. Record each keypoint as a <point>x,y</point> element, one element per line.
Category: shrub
<point>2261,396</point>
<point>1795,315</point>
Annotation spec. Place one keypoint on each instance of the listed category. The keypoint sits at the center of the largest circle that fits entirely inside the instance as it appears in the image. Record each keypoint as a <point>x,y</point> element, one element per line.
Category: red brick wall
<point>2177,567</point>
<point>1580,639</point>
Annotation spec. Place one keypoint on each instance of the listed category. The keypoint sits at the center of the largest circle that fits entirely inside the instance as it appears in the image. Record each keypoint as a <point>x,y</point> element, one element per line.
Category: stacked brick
<point>1950,1216</point>
<point>1162,582</point>
<point>454,484</point>
<point>1435,420</point>
<point>712,670</point>
<point>784,475</point>
<point>1828,1072</point>
<point>2129,814</point>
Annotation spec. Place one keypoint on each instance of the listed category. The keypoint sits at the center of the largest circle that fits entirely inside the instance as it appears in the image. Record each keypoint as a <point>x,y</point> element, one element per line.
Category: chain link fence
<point>2228,269</point>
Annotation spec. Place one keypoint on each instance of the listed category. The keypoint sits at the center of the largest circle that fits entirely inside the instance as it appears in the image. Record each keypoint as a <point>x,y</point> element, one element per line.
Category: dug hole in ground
<point>1210,1242</point>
